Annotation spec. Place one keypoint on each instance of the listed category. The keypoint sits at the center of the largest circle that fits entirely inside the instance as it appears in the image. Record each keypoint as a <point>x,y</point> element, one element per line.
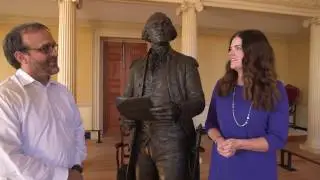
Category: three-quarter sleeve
<point>277,129</point>
<point>212,120</point>
<point>195,102</point>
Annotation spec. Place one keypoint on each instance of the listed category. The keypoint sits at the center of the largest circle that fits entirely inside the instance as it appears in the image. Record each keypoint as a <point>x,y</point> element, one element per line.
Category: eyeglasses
<point>46,48</point>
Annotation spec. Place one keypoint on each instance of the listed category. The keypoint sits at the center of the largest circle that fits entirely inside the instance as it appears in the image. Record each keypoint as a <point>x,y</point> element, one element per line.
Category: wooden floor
<point>101,162</point>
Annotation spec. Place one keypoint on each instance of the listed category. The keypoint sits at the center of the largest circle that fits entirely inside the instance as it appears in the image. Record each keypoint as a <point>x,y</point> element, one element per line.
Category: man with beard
<point>171,80</point>
<point>41,133</point>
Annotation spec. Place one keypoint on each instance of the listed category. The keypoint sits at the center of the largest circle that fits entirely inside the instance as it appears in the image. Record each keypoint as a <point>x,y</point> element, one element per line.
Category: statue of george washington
<point>165,144</point>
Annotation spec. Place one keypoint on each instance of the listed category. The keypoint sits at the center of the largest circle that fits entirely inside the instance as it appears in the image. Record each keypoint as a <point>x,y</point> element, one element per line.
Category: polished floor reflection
<point>101,161</point>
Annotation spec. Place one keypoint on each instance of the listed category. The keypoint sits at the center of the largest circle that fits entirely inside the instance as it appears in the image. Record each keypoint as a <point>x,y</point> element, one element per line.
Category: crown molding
<point>228,32</point>
<point>292,3</point>
<point>13,20</point>
<point>82,23</point>
<point>100,25</point>
<point>309,8</point>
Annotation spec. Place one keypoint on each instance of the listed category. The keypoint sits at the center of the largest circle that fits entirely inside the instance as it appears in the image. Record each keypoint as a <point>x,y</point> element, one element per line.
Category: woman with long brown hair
<point>248,115</point>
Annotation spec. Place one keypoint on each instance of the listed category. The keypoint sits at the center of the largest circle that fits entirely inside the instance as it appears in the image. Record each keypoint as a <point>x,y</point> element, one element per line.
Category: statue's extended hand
<point>168,112</point>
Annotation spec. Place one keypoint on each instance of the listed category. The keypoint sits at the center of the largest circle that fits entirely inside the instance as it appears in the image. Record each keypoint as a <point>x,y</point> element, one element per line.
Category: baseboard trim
<point>87,135</point>
<point>93,135</point>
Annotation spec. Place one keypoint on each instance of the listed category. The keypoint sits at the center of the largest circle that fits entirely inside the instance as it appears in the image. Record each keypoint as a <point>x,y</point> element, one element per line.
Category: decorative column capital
<point>78,3</point>
<point>188,4</point>
<point>311,21</point>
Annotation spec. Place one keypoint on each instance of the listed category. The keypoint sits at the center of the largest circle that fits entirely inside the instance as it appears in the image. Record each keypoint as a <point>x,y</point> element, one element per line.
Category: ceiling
<point>111,10</point>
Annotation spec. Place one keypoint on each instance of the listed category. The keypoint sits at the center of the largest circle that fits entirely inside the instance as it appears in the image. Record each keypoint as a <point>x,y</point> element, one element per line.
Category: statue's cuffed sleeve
<point>195,102</point>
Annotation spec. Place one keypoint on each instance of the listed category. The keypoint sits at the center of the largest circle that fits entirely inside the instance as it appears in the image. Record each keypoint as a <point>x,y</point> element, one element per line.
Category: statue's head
<point>159,29</point>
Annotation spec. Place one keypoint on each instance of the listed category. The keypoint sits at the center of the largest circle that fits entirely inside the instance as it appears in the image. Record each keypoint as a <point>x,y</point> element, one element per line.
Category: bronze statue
<point>164,145</point>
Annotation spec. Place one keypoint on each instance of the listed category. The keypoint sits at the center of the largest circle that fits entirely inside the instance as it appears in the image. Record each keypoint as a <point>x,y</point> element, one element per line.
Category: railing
<point>289,165</point>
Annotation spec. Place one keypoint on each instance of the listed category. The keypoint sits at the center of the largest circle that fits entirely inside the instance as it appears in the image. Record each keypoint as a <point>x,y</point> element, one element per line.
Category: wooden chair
<point>122,154</point>
<point>293,96</point>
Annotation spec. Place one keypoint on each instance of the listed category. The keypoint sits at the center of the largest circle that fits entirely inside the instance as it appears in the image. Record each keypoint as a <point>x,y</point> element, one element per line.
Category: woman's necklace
<point>233,111</point>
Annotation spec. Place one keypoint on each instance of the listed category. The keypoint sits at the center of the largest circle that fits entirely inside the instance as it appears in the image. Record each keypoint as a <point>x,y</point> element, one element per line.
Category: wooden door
<point>118,57</point>
<point>131,51</point>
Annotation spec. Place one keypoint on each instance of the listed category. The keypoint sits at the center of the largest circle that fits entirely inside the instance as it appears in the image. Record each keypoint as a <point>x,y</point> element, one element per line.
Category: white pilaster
<point>313,140</point>
<point>67,43</point>
<point>188,10</point>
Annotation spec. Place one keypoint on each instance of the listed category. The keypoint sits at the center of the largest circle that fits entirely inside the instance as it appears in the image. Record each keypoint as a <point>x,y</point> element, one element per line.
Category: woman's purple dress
<point>247,165</point>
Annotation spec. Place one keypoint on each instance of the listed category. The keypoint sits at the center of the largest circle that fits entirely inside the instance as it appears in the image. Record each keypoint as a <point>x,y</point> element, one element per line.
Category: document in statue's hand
<point>135,108</point>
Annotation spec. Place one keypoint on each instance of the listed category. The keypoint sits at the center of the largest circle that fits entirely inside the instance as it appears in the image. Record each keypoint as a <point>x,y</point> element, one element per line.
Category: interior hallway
<point>101,161</point>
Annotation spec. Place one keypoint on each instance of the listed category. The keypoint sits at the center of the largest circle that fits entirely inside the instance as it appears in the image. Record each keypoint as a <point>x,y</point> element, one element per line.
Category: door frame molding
<point>97,67</point>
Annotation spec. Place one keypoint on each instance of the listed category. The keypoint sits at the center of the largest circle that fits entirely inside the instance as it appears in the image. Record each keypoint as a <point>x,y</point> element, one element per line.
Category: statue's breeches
<point>165,156</point>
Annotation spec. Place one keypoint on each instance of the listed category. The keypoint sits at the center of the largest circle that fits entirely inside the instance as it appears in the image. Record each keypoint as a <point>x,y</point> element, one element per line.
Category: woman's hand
<point>228,148</point>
